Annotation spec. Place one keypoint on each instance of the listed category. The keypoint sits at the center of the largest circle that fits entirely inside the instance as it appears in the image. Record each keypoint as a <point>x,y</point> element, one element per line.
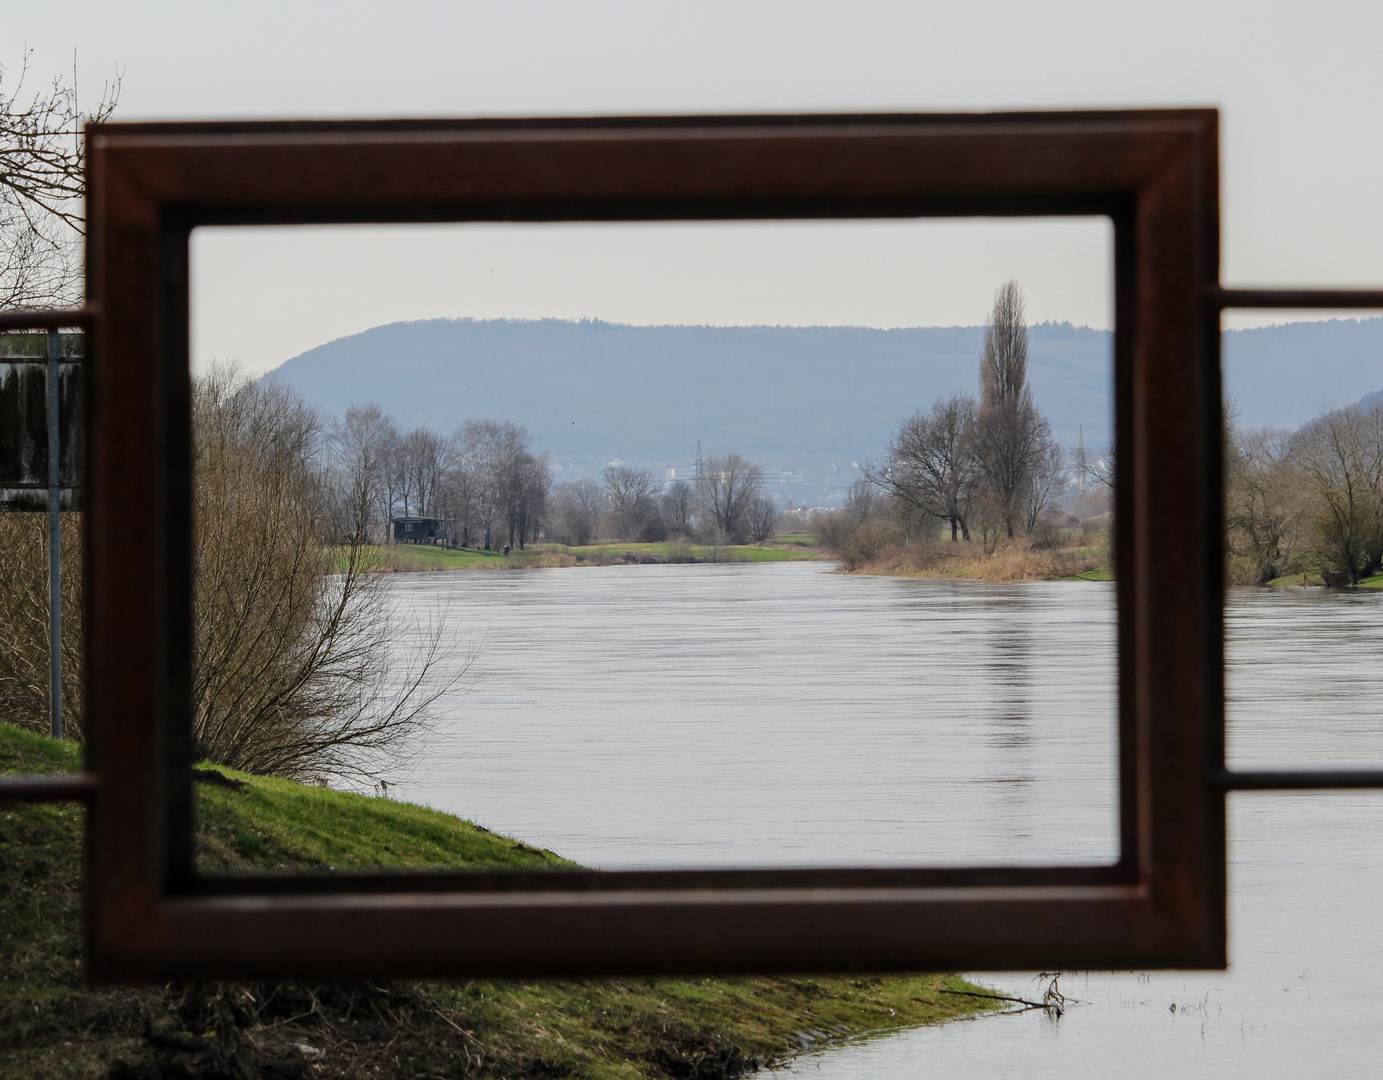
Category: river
<point>731,715</point>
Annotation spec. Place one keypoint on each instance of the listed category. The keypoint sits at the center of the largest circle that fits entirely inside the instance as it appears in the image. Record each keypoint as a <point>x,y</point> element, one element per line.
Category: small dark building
<point>418,530</point>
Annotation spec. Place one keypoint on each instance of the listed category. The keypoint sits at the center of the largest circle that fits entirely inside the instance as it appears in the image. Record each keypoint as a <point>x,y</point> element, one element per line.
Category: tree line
<point>484,479</point>
<point>492,491</point>
<point>724,504</point>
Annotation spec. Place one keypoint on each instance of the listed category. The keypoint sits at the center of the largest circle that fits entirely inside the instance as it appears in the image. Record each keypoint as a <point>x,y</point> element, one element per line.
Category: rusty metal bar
<point>1294,298</point>
<point>48,320</point>
<point>54,535</point>
<point>65,788</point>
<point>1295,779</point>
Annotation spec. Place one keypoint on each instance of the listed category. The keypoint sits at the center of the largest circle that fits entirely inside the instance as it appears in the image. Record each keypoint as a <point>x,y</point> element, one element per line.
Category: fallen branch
<point>997,997</point>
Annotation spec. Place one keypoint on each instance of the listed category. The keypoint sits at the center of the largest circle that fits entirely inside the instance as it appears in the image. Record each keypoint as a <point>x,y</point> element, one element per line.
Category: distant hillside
<point>799,399</point>
<point>809,401</point>
<point>1282,376</point>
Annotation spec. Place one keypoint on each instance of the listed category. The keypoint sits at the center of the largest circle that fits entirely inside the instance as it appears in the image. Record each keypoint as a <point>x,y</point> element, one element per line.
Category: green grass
<point>675,551</point>
<point>1308,579</point>
<point>1100,573</point>
<point>425,557</point>
<point>1374,582</point>
<point>53,1026</point>
<point>281,825</point>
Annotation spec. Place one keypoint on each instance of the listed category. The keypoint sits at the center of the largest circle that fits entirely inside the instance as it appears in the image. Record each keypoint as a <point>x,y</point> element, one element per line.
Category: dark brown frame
<point>1153,173</point>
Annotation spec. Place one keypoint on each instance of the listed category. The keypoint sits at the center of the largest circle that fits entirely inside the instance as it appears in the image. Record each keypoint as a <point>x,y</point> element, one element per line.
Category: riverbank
<point>412,558</point>
<point>52,1026</point>
<point>1310,580</point>
<point>1015,561</point>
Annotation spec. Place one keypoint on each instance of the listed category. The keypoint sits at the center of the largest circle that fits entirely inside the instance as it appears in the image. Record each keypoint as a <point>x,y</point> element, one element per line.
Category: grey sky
<point>1298,85</point>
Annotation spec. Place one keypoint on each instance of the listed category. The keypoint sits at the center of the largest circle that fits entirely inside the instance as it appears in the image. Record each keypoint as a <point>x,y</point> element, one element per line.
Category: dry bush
<point>24,622</point>
<point>1016,561</point>
<point>294,666</point>
<point>865,542</point>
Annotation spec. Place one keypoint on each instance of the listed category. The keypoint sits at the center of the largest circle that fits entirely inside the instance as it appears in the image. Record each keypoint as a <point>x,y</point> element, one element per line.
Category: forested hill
<point>787,397</point>
<point>793,398</point>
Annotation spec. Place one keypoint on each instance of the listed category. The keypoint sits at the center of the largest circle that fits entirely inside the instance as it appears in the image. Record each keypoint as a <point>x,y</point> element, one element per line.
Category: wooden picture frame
<point>1153,173</point>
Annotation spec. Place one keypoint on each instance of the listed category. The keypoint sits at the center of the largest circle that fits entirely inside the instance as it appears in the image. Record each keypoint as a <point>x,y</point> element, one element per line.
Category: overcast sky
<point>1298,85</point>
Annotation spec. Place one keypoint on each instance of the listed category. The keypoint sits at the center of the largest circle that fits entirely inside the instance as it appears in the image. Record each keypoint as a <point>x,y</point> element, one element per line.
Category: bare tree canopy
<point>1012,436</point>
<point>424,458</point>
<point>1341,458</point>
<point>42,160</point>
<point>678,503</point>
<point>726,489</point>
<point>575,512</point>
<point>1093,468</point>
<point>932,467</point>
<point>488,448</point>
<point>363,446</point>
<point>293,670</point>
<point>1004,360</point>
<point>1307,502</point>
<point>630,495</point>
<point>762,517</point>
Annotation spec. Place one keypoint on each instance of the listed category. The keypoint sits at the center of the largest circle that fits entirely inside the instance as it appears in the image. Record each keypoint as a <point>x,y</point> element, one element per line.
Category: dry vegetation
<point>24,621</point>
<point>294,674</point>
<point>1017,561</point>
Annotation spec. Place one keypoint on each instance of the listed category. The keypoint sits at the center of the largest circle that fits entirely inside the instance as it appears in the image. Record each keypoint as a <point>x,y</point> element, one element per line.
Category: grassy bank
<point>51,1026</point>
<point>422,557</point>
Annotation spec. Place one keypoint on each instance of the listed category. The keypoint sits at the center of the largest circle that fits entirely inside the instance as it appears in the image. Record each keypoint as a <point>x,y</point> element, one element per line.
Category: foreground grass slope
<point>52,1026</point>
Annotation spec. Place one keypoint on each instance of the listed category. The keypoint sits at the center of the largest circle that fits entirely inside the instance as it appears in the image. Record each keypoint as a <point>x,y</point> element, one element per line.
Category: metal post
<point>54,537</point>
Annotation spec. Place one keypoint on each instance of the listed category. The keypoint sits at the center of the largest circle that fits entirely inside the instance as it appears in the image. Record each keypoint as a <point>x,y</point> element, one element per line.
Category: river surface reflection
<point>734,715</point>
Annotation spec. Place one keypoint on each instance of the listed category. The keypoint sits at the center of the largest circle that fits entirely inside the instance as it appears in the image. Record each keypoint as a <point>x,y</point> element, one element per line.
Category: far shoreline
<point>426,558</point>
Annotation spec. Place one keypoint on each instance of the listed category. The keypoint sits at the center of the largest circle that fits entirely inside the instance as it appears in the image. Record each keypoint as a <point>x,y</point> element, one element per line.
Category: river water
<point>730,715</point>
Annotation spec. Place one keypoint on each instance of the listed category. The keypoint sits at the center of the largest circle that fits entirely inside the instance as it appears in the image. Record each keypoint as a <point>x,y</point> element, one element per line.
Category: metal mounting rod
<point>1295,779</point>
<point>54,534</point>
<point>55,788</point>
<point>48,320</point>
<point>1294,298</point>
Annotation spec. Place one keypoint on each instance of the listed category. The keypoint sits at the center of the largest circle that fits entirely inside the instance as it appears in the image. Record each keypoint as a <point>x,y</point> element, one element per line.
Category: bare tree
<point>575,512</point>
<point>678,501</point>
<point>423,459</point>
<point>629,493</point>
<point>1045,485</point>
<point>529,483</point>
<point>725,490</point>
<point>762,517</point>
<point>488,450</point>
<point>1004,359</point>
<point>1094,469</point>
<point>1263,504</point>
<point>1340,457</point>
<point>42,168</point>
<point>24,622</point>
<point>42,165</point>
<point>1012,436</point>
<point>293,670</point>
<point>362,445</point>
<point>932,467</point>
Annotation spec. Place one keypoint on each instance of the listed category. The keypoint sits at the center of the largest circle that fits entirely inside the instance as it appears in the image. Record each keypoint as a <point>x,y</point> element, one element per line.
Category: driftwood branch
<point>997,997</point>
